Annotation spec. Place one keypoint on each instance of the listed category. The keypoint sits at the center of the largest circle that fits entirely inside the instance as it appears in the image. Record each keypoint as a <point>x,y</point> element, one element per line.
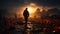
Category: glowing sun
<point>31,9</point>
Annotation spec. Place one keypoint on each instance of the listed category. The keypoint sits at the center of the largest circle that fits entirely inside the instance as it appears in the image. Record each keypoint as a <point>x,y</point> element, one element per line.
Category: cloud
<point>16,3</point>
<point>47,2</point>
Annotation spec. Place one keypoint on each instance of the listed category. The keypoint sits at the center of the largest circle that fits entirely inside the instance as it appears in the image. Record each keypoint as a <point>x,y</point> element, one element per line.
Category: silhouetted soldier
<point>26,15</point>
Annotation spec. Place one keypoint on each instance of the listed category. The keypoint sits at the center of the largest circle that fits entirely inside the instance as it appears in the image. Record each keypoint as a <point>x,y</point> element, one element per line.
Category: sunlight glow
<point>31,10</point>
<point>32,7</point>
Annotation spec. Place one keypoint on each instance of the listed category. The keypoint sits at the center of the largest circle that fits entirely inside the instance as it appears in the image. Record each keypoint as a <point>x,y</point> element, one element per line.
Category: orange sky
<point>31,8</point>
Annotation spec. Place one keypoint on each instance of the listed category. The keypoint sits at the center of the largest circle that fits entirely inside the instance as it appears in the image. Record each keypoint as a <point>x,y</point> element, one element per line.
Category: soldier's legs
<point>26,19</point>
